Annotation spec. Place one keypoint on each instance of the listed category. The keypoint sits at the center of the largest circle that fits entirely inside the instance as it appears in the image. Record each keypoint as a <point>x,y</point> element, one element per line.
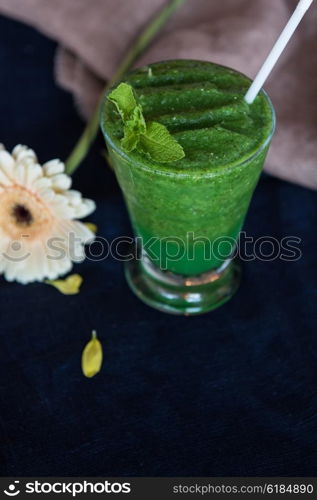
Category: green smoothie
<point>187,211</point>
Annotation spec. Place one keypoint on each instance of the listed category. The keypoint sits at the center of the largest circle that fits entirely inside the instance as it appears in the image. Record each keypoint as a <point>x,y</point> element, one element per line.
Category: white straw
<point>277,50</point>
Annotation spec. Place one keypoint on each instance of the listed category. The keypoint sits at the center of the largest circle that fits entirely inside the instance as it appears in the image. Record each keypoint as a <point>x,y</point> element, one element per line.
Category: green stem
<point>144,39</point>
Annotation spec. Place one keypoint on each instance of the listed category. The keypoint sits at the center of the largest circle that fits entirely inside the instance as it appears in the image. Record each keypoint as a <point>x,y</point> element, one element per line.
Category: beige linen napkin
<point>94,35</point>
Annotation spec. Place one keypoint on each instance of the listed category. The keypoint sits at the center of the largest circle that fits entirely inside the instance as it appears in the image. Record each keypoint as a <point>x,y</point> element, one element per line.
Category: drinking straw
<point>277,50</point>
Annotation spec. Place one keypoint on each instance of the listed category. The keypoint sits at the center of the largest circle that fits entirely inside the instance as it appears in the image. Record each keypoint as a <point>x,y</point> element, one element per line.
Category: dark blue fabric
<point>233,392</point>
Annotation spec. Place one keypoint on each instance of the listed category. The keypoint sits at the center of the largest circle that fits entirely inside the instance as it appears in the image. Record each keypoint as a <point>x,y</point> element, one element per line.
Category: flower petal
<point>69,286</point>
<point>53,228</point>
<point>6,161</point>
<point>53,167</point>
<point>91,226</point>
<point>91,360</point>
<point>85,208</point>
<point>74,197</point>
<point>33,173</point>
<point>21,152</point>
<point>61,182</point>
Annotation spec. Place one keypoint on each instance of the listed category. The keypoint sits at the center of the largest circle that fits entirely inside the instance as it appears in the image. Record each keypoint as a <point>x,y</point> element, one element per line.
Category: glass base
<point>185,295</point>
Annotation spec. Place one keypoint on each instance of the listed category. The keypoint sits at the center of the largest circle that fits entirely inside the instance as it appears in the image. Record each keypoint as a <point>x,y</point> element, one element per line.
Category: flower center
<point>22,215</point>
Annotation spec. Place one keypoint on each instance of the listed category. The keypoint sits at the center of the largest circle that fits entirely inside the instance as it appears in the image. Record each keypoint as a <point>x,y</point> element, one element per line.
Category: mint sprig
<point>151,138</point>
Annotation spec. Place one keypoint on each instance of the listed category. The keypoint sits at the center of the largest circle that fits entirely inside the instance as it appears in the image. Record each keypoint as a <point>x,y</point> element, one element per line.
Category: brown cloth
<point>95,34</point>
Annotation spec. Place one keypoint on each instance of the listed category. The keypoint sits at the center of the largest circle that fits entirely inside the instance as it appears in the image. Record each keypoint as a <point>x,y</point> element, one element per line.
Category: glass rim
<point>219,170</point>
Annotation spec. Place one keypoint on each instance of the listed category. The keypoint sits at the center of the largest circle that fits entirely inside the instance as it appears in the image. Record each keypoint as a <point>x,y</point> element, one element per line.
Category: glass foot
<point>177,294</point>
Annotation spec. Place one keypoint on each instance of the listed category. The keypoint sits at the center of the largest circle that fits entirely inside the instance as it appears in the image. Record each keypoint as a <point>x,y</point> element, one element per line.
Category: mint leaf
<point>133,129</point>
<point>130,139</point>
<point>131,114</point>
<point>153,138</point>
<point>138,121</point>
<point>123,98</point>
<point>159,144</point>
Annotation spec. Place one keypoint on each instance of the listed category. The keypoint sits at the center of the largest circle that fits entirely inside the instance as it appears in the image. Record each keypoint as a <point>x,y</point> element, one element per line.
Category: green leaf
<point>133,129</point>
<point>123,98</point>
<point>130,139</point>
<point>138,120</point>
<point>159,144</point>
<point>153,138</point>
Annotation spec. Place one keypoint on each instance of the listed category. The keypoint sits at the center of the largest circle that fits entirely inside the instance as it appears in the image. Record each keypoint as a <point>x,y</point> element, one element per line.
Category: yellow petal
<point>93,228</point>
<point>91,360</point>
<point>69,285</point>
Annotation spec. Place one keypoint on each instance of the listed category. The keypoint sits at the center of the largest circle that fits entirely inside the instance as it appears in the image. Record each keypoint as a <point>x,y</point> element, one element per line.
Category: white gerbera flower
<point>39,236</point>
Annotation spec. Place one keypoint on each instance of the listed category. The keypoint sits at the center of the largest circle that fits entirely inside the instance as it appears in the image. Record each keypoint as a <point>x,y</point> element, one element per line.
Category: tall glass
<point>187,215</point>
